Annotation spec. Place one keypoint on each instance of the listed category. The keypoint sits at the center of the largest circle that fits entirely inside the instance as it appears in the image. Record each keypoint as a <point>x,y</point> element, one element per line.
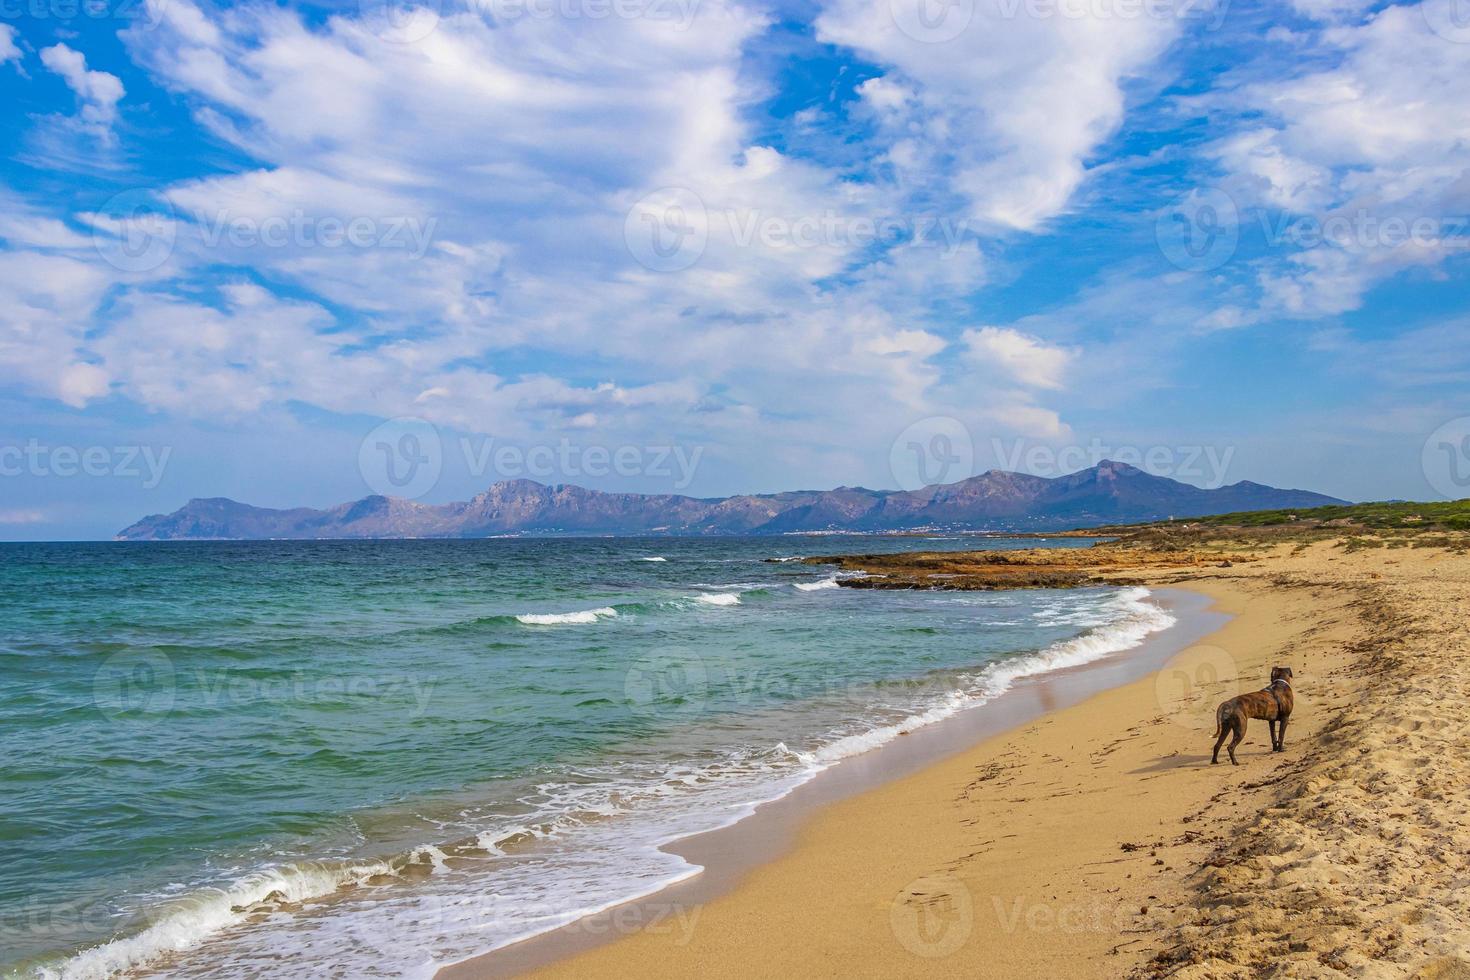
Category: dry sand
<point>1098,841</point>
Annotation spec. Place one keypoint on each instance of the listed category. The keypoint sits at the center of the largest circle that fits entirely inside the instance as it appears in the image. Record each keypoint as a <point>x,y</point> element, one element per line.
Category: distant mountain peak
<point>996,500</point>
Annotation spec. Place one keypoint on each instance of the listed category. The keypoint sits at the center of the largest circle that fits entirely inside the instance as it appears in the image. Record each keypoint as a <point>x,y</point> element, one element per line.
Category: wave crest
<point>568,618</point>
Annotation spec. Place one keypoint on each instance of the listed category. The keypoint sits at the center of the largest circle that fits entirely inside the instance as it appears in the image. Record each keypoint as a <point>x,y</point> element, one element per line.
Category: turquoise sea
<point>374,758</point>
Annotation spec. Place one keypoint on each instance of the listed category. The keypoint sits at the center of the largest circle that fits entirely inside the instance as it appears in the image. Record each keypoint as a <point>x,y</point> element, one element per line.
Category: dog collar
<point>1271,690</point>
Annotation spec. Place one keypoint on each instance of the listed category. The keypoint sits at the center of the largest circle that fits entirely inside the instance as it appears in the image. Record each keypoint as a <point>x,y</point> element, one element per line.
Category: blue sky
<point>273,251</point>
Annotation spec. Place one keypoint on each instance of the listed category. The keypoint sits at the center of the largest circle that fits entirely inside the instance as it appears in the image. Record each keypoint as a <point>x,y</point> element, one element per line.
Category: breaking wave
<point>567,618</point>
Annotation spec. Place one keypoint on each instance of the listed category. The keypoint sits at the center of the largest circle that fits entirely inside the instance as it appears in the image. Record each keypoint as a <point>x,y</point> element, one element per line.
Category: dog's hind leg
<point>1239,725</point>
<point>1222,729</point>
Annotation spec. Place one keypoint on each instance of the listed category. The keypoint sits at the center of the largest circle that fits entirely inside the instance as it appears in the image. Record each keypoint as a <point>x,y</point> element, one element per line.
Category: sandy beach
<point>1096,839</point>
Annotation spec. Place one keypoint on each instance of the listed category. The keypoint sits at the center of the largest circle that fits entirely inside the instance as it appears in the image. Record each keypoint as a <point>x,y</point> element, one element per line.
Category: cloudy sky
<point>279,251</point>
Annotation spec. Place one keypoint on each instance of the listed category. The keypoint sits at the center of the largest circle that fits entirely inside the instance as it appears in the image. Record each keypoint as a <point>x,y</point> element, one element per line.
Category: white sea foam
<point>826,583</point>
<point>569,618</point>
<point>1130,619</point>
<point>188,921</point>
<point>654,558</point>
<point>719,598</point>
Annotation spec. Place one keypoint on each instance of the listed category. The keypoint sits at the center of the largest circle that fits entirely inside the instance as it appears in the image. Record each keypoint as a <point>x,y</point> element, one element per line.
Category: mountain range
<point>1108,493</point>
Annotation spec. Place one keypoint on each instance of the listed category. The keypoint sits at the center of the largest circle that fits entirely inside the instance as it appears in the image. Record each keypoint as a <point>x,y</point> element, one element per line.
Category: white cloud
<point>1283,181</point>
<point>98,91</point>
<point>1367,149</point>
<point>1432,355</point>
<point>1026,359</point>
<point>1331,10</point>
<point>1032,421</point>
<point>22,227</point>
<point>524,143</point>
<point>519,146</point>
<point>46,305</point>
<point>1007,111</point>
<point>8,49</point>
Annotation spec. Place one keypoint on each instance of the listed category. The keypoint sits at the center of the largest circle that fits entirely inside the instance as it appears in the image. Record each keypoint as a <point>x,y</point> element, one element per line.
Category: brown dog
<point>1273,703</point>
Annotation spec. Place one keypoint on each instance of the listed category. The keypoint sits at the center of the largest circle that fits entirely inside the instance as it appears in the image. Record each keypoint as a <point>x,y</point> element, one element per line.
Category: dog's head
<point>1280,674</point>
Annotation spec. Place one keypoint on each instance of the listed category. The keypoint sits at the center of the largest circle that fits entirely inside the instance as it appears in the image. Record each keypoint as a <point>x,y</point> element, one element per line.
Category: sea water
<point>375,758</point>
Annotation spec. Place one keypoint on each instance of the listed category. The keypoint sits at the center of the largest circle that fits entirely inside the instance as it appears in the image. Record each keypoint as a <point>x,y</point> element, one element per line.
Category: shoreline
<point>1097,841</point>
<point>726,855</point>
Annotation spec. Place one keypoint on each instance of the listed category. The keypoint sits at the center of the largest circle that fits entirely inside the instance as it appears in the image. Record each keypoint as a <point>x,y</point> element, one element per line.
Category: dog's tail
<point>1219,720</point>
